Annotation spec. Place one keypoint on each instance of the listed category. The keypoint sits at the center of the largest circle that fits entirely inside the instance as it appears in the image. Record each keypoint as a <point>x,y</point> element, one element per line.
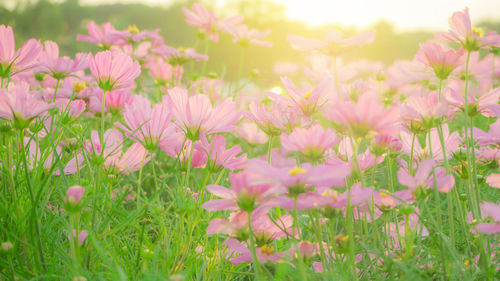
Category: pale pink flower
<point>307,99</point>
<point>104,37</point>
<point>71,108</point>
<point>493,180</point>
<point>245,36</point>
<point>114,101</point>
<point>242,194</point>
<point>264,253</point>
<point>20,105</point>
<point>132,160</point>
<point>74,194</point>
<point>400,230</point>
<point>113,70</point>
<point>82,236</point>
<point>367,116</point>
<point>273,121</point>
<point>219,157</point>
<point>208,22</point>
<point>490,210</point>
<point>163,72</point>
<point>12,61</point>
<point>332,42</point>
<point>441,59</point>
<point>451,141</point>
<point>195,116</point>
<point>311,143</point>
<point>251,133</point>
<point>424,177</point>
<point>60,67</point>
<point>461,31</point>
<point>145,124</point>
<point>486,104</point>
<point>490,137</point>
<point>423,110</point>
<point>179,56</point>
<point>285,68</point>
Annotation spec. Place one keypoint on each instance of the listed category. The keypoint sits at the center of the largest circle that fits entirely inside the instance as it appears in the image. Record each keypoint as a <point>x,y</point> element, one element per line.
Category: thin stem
<point>269,148</point>
<point>410,165</point>
<point>55,89</point>
<point>252,247</point>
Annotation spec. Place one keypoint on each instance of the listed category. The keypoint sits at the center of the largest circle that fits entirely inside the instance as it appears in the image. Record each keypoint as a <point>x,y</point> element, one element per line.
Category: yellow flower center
<point>133,29</point>
<point>266,250</point>
<point>331,193</point>
<point>477,31</point>
<point>307,95</point>
<point>79,86</point>
<point>297,170</point>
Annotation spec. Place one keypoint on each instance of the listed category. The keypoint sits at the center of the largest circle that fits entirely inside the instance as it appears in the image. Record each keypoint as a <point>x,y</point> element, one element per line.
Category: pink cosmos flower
<point>133,35</point>
<point>285,68</point>
<point>114,101</point>
<point>20,105</point>
<point>164,72</point>
<point>418,111</point>
<point>264,253</point>
<point>71,108</point>
<point>441,59</point>
<point>424,178</point>
<point>332,42</point>
<point>297,179</point>
<point>82,236</point>
<point>452,142</point>
<point>104,37</point>
<point>490,137</point>
<point>493,180</point>
<point>245,36</point>
<point>74,194</point>
<point>461,31</point>
<point>242,194</point>
<point>366,116</point>
<point>179,56</point>
<point>219,157</point>
<point>12,61</point>
<point>490,210</point>
<point>145,124</point>
<point>60,67</point>
<point>275,120</point>
<point>307,99</point>
<point>212,87</point>
<point>113,70</point>
<point>486,104</point>
<point>195,116</point>
<point>311,143</point>
<point>132,160</point>
<point>251,133</point>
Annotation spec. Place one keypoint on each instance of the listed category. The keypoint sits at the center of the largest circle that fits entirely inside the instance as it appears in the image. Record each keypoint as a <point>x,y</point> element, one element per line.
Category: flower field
<point>135,162</point>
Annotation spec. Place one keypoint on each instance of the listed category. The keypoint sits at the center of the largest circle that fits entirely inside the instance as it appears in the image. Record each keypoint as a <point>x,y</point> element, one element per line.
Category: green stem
<point>269,148</point>
<point>55,89</point>
<point>410,165</point>
<point>252,247</point>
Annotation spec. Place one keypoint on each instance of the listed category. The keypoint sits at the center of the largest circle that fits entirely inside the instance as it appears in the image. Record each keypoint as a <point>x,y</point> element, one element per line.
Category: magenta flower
<point>490,210</point>
<point>195,116</point>
<point>461,31</point>
<point>423,178</point>
<point>12,61</point>
<point>104,37</point>
<point>242,194</point>
<point>245,36</point>
<point>219,157</point>
<point>367,116</point>
<point>113,70</point>
<point>442,60</point>
<point>20,105</point>
<point>145,124</point>
<point>311,143</point>
<point>307,99</point>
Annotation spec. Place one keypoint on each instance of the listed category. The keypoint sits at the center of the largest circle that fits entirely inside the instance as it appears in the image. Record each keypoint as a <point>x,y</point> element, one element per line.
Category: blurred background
<point>399,25</point>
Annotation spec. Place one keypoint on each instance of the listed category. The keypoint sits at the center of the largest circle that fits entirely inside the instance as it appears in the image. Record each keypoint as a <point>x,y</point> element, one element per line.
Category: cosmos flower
<point>113,70</point>
<point>12,61</point>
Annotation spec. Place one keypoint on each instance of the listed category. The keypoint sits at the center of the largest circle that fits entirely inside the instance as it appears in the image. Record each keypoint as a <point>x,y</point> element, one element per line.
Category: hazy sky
<point>406,14</point>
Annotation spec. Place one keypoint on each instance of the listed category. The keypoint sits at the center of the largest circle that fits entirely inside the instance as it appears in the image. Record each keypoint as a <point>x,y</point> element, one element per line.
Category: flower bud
<point>73,198</point>
<point>6,246</point>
